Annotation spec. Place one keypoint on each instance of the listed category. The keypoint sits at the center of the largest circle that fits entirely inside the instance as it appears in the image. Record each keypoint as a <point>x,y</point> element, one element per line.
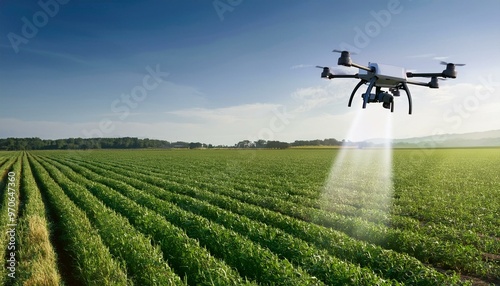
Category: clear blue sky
<point>223,71</point>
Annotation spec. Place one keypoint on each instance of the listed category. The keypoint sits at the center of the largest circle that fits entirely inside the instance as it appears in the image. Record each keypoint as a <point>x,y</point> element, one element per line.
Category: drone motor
<point>450,69</point>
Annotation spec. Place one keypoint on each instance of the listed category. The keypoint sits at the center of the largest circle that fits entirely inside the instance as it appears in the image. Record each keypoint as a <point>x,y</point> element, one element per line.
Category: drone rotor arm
<point>410,74</point>
<point>344,76</point>
<point>418,83</point>
<point>327,74</point>
<point>362,67</point>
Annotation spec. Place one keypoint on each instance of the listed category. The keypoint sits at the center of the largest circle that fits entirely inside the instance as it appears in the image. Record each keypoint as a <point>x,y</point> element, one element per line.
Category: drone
<point>380,76</point>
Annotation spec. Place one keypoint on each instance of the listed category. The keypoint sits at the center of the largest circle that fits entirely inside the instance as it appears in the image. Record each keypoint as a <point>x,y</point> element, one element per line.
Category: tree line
<point>36,143</point>
<point>80,143</point>
<point>271,144</point>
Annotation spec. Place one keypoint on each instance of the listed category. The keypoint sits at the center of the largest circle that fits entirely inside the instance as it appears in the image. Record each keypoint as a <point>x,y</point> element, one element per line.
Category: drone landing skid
<point>360,83</point>
<point>407,90</point>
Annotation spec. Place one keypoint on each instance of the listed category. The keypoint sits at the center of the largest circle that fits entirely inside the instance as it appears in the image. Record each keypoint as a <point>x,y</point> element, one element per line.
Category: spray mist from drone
<point>360,180</point>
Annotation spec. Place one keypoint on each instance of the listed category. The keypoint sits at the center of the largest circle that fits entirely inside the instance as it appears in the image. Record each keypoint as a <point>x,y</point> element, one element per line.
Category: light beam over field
<point>360,180</point>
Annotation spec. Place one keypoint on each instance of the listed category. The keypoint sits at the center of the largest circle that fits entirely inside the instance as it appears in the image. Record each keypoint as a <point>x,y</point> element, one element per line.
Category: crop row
<point>432,228</point>
<point>144,262</point>
<point>379,260</point>
<point>89,257</point>
<point>9,203</point>
<point>427,249</point>
<point>37,258</point>
<point>463,185</point>
<point>317,262</point>
<point>250,259</point>
<point>438,230</point>
<point>183,254</point>
<point>477,181</point>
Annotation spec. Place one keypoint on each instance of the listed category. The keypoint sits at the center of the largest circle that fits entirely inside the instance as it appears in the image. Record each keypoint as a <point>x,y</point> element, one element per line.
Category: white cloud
<point>418,56</point>
<point>315,112</point>
<point>227,114</point>
<point>328,95</point>
<point>441,58</point>
<point>453,108</point>
<point>301,66</point>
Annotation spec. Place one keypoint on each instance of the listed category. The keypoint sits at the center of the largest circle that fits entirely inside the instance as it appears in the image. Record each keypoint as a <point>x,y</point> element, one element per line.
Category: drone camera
<point>387,99</point>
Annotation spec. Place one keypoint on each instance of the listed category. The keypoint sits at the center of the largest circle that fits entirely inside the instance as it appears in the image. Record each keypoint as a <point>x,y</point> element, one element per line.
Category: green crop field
<point>253,217</point>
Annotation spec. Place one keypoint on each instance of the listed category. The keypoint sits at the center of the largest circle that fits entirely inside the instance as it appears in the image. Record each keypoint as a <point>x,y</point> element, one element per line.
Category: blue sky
<point>223,71</point>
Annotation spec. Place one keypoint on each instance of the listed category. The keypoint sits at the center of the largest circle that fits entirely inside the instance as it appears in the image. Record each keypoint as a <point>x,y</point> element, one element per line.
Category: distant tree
<point>194,145</point>
<point>133,142</point>
<point>78,143</point>
<point>245,144</point>
<point>277,145</point>
<point>180,144</point>
<point>261,143</point>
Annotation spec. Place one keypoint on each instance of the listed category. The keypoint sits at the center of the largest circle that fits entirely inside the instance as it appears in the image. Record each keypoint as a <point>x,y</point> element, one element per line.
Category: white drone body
<point>386,76</point>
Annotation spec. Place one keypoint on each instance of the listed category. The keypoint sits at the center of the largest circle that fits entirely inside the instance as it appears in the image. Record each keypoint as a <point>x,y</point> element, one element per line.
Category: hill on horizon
<point>472,139</point>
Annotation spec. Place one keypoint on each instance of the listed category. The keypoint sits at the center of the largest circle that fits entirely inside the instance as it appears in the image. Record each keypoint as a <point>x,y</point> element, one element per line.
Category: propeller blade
<point>457,65</point>
<point>335,71</point>
<point>339,51</point>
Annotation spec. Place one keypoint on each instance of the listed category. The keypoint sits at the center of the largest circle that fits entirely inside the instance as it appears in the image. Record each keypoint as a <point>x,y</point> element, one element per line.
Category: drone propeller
<point>340,52</point>
<point>329,73</point>
<point>458,65</point>
<point>335,70</point>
